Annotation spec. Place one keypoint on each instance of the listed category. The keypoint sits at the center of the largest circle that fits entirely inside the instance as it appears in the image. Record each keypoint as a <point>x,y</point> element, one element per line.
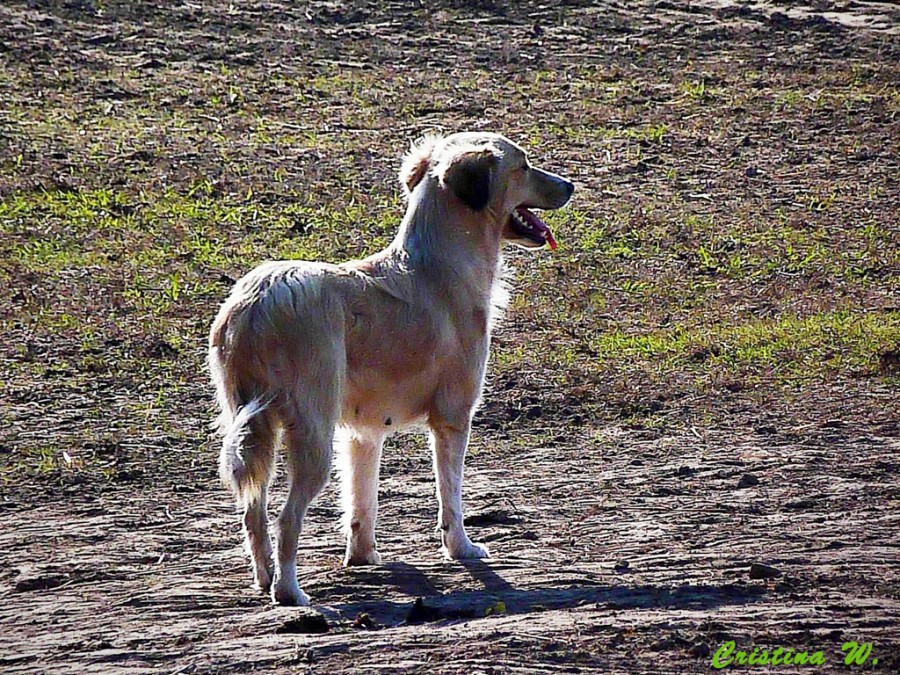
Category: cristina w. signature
<point>727,655</point>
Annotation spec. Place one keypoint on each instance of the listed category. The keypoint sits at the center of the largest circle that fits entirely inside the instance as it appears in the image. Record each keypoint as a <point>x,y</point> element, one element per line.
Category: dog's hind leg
<point>360,462</point>
<point>259,544</point>
<point>308,452</point>
<point>246,465</point>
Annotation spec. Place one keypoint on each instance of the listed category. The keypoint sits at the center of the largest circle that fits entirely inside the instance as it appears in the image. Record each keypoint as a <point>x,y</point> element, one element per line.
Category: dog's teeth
<point>520,221</point>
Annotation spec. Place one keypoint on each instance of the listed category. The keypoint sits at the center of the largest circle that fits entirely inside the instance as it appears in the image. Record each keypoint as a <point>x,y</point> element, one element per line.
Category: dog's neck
<point>444,241</point>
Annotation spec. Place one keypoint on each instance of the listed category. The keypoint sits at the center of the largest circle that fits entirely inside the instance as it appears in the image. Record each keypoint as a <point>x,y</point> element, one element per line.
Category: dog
<point>302,350</point>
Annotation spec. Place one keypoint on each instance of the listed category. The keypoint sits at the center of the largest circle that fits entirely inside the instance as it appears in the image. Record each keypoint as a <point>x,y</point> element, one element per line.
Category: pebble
<point>700,650</point>
<point>747,480</point>
<point>761,571</point>
<point>307,622</point>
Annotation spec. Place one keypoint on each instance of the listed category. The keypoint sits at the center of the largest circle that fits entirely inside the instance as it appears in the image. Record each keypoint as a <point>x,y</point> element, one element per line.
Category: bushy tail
<point>247,457</point>
<point>248,453</point>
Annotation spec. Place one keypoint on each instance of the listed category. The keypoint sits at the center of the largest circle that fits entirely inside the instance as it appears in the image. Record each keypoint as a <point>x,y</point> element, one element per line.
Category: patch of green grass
<point>789,99</point>
<point>651,133</point>
<point>733,245</point>
<point>185,230</point>
<point>695,90</point>
<point>791,346</point>
<point>40,461</point>
<point>51,255</point>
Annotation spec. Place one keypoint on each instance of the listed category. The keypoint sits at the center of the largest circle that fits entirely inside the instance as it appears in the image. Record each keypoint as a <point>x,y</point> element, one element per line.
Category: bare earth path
<point>620,554</point>
<point>704,378</point>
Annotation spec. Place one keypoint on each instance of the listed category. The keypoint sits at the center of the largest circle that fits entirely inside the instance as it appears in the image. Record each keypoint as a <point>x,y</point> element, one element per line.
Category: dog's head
<point>489,175</point>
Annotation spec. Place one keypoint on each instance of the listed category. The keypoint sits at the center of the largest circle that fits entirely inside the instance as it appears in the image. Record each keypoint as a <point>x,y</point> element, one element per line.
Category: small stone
<point>365,621</point>
<point>307,622</point>
<point>747,480</point>
<point>761,571</point>
<point>700,651</point>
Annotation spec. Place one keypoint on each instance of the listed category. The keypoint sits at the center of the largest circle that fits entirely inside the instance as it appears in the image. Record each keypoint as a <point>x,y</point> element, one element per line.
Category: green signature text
<point>855,654</point>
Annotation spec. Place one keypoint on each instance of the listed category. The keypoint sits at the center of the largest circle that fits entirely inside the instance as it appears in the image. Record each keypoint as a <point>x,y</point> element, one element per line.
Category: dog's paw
<point>289,595</point>
<point>262,580</point>
<point>358,559</point>
<point>466,551</point>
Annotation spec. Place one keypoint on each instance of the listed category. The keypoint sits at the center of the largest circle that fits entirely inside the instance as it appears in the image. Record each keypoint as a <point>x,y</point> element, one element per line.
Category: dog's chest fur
<point>409,362</point>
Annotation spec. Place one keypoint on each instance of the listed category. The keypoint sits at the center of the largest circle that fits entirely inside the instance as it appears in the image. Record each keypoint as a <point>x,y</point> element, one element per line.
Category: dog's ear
<point>469,175</point>
<point>415,164</point>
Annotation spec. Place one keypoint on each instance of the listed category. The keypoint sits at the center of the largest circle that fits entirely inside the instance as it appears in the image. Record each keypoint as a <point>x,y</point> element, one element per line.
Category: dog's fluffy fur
<point>300,349</point>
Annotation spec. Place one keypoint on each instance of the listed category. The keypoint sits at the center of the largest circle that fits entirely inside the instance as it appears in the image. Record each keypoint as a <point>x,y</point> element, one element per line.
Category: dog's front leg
<point>449,446</point>
<point>361,457</point>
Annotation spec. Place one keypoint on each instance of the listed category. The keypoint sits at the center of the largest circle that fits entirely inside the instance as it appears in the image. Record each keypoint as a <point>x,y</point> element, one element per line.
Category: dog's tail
<point>248,455</point>
<point>247,458</point>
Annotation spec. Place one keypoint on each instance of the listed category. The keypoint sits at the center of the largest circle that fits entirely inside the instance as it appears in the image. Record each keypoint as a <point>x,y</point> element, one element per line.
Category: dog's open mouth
<point>528,226</point>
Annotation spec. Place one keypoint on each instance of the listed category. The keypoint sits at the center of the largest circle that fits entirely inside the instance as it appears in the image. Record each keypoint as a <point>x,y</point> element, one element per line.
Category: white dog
<point>374,345</point>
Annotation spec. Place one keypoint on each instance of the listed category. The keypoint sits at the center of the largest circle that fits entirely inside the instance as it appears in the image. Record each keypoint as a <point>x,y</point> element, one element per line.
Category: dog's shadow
<point>427,603</point>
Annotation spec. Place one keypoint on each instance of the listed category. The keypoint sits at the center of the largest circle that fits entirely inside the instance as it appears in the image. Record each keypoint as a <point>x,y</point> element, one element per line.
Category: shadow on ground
<point>500,596</point>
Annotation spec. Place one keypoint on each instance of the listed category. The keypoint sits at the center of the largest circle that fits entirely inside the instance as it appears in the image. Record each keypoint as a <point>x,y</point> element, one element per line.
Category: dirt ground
<point>704,397</point>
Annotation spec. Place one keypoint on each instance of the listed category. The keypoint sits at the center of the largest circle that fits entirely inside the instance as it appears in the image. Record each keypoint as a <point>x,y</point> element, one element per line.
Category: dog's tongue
<point>539,225</point>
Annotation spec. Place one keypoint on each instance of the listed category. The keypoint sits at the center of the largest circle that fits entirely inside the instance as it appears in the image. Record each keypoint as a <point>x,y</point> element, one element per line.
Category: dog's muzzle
<point>550,192</point>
